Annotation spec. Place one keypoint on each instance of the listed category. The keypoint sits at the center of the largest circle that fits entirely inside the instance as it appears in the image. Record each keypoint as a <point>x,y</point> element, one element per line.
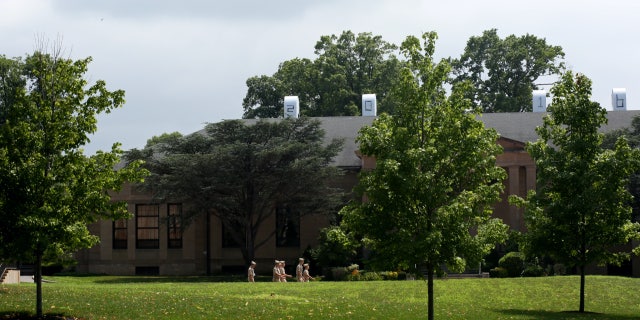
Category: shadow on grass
<point>24,315</point>
<point>542,314</point>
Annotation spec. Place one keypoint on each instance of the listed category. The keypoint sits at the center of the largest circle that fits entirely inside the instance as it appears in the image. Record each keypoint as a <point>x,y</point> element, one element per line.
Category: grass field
<point>107,297</point>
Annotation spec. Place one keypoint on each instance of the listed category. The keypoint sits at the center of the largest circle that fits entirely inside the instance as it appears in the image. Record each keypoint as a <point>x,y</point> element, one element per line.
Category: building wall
<point>191,259</point>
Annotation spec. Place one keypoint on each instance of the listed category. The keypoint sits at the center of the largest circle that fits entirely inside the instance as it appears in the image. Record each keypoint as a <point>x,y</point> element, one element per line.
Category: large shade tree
<point>429,196</point>
<point>504,71</point>
<point>243,171</point>
<point>346,67</point>
<point>49,190</point>
<point>581,211</point>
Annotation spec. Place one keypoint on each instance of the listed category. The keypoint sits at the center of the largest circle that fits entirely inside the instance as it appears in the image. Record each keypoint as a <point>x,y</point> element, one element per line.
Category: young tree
<point>429,196</point>
<point>581,209</point>
<point>242,173</point>
<point>346,67</point>
<point>49,190</point>
<point>504,71</point>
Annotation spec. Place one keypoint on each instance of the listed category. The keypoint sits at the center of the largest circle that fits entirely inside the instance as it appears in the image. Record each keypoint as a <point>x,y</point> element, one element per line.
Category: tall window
<point>287,227</point>
<point>227,239</point>
<point>147,226</point>
<point>174,223</point>
<point>120,234</point>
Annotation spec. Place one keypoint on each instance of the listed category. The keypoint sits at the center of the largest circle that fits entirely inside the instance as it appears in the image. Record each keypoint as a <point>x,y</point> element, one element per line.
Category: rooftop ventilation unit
<point>369,105</point>
<point>539,101</point>
<point>291,107</point>
<point>619,99</point>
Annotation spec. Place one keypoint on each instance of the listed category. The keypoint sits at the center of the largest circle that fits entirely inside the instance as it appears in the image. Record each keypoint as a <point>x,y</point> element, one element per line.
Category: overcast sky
<point>185,63</point>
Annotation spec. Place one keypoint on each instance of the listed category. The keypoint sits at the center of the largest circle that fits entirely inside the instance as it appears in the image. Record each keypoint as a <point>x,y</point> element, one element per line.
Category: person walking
<point>251,273</point>
<point>283,272</point>
<point>305,274</point>
<point>277,276</point>
<point>300,270</point>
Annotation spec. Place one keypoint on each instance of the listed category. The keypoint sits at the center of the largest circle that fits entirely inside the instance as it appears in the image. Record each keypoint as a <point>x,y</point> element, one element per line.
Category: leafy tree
<point>581,210</point>
<point>49,190</point>
<point>632,134</point>
<point>435,178</point>
<point>504,71</point>
<point>336,248</point>
<point>241,172</point>
<point>331,85</point>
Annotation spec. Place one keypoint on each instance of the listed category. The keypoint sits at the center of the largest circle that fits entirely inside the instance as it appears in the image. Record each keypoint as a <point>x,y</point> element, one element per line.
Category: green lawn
<point>107,297</point>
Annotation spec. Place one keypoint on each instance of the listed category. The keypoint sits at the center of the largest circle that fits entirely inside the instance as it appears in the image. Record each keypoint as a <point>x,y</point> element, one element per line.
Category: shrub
<point>513,262</point>
<point>339,274</point>
<point>498,272</point>
<point>559,269</point>
<point>336,248</point>
<point>389,275</point>
<point>533,271</point>
<point>370,276</point>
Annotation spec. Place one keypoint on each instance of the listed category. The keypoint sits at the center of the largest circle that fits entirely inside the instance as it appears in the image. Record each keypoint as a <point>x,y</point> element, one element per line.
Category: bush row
<point>352,273</point>
<point>513,264</point>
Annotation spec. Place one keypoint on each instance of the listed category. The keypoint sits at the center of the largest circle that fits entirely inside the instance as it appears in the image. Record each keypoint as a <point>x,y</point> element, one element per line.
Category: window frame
<point>148,234</point>
<point>174,226</point>
<point>122,230</point>
<point>290,219</point>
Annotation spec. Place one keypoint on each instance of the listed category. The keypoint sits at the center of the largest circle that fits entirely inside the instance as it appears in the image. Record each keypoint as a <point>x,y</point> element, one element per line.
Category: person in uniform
<point>276,272</point>
<point>283,272</point>
<point>299,270</point>
<point>305,274</point>
<point>251,273</point>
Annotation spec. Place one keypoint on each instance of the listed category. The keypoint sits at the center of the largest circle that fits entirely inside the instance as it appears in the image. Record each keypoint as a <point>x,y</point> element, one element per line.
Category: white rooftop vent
<point>619,99</point>
<point>369,105</point>
<point>539,101</point>
<point>291,107</point>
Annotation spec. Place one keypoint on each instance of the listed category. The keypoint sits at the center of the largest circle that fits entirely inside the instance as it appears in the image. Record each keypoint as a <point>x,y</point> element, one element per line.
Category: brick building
<point>152,242</point>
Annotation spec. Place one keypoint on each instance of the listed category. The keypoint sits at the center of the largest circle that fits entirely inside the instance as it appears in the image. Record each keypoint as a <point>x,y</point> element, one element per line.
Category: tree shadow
<point>179,279</point>
<point>24,315</point>
<point>544,314</point>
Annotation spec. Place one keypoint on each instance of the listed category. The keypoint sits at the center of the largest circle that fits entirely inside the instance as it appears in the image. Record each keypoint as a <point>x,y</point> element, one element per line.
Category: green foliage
<point>392,275</point>
<point>559,269</point>
<point>435,176</point>
<point>346,67</point>
<point>49,190</point>
<point>632,134</point>
<point>242,171</point>
<point>498,272</point>
<point>533,271</point>
<point>513,262</point>
<point>503,71</point>
<point>580,212</point>
<point>336,248</point>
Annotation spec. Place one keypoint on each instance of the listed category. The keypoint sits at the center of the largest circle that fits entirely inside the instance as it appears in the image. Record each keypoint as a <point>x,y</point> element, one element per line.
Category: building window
<point>228,228</point>
<point>287,227</point>
<point>147,226</point>
<point>174,223</point>
<point>120,234</point>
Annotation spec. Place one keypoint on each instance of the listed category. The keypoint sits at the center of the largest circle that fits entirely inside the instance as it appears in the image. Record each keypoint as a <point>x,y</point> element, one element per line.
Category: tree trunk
<point>37,277</point>
<point>430,290</point>
<point>582,280</point>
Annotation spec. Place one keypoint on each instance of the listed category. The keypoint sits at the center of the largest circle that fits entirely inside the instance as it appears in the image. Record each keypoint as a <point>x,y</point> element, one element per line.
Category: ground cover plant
<point>109,297</point>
